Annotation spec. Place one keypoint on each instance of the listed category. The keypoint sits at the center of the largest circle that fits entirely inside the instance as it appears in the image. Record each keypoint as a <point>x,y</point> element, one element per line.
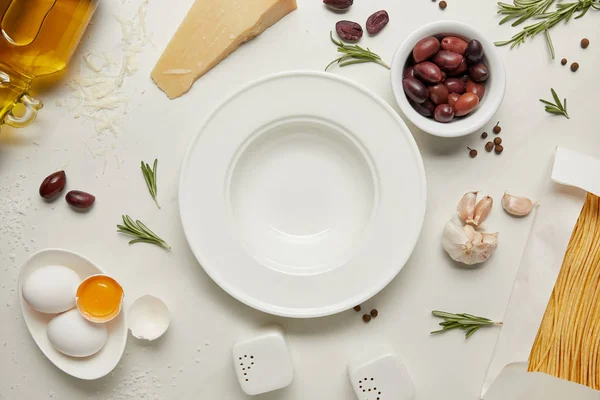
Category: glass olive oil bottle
<point>37,38</point>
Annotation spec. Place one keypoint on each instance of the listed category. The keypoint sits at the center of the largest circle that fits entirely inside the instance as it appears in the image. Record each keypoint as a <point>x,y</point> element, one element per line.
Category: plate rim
<point>23,304</point>
<point>341,306</point>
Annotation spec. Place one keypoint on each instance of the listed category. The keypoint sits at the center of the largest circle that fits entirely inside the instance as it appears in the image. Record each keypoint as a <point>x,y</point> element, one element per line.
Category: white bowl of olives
<point>448,79</point>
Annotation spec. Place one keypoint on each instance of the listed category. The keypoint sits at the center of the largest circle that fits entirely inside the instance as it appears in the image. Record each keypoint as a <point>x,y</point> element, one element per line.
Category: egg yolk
<point>99,298</point>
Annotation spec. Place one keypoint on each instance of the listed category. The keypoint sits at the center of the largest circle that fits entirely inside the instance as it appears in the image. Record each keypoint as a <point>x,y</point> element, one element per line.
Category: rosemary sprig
<point>354,54</point>
<point>467,322</point>
<point>141,232</point>
<point>523,10</point>
<point>557,107</point>
<point>150,177</point>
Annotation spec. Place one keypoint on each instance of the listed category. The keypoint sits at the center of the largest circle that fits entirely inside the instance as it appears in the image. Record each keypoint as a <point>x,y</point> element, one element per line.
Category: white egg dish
<point>78,347</point>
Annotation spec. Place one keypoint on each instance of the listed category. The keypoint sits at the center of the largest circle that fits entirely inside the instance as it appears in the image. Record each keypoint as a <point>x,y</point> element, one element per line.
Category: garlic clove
<point>482,210</point>
<point>464,244</point>
<point>466,206</point>
<point>516,205</point>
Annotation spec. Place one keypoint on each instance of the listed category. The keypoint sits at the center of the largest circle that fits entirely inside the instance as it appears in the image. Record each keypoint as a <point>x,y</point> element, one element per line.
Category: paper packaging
<point>574,174</point>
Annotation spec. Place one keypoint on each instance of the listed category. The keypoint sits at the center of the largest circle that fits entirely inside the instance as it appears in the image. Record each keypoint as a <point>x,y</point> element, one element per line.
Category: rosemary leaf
<point>557,107</point>
<point>140,232</point>
<point>523,10</point>
<point>354,54</point>
<point>150,178</point>
<point>467,322</point>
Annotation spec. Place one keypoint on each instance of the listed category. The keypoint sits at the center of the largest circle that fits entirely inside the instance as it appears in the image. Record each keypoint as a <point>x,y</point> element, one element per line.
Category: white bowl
<point>494,91</point>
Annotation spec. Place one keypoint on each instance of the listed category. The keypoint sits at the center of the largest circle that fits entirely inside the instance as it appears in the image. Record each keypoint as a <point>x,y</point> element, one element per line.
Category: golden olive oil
<point>37,38</point>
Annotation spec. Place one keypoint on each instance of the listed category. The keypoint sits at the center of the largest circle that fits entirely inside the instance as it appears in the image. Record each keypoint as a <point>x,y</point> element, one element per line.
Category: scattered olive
<point>367,318</point>
<point>472,152</point>
<point>497,141</point>
<point>585,42</point>
<point>443,4</point>
<point>357,308</point>
<point>377,21</point>
<point>80,200</point>
<point>349,31</point>
<point>499,149</point>
<point>563,61</point>
<point>338,5</point>
<point>574,66</point>
<point>484,135</point>
<point>53,185</point>
<point>489,146</point>
<point>497,129</point>
<point>374,313</point>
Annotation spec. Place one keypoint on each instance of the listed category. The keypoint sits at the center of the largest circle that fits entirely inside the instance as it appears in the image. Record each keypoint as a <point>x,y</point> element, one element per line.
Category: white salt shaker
<point>263,363</point>
<point>380,376</point>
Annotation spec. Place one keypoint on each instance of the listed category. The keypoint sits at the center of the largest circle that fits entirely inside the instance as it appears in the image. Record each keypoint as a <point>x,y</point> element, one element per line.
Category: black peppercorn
<point>585,42</point>
<point>563,61</point>
<point>497,141</point>
<point>484,135</point>
<point>489,146</point>
<point>499,149</point>
<point>367,318</point>
<point>472,152</point>
<point>497,129</point>
<point>574,66</point>
<point>374,313</point>
<point>357,308</point>
<point>443,5</point>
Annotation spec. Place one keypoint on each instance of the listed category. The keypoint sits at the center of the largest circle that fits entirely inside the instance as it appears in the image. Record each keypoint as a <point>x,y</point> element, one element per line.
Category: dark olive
<point>455,85</point>
<point>443,113</point>
<point>425,109</point>
<point>415,89</point>
<point>479,72</point>
<point>425,48</point>
<point>80,200</point>
<point>428,72</point>
<point>477,88</point>
<point>53,185</point>
<point>461,69</point>
<point>409,72</point>
<point>452,97</point>
<point>465,104</point>
<point>447,60</point>
<point>438,93</point>
<point>454,44</point>
<point>474,52</point>
<point>377,21</point>
<point>349,31</point>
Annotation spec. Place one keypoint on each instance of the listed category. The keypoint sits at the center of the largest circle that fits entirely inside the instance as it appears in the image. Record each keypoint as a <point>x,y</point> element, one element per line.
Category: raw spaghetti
<point>568,340</point>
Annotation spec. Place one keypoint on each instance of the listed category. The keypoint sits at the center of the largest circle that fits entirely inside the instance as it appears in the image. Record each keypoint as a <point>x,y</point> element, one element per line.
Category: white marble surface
<point>192,361</point>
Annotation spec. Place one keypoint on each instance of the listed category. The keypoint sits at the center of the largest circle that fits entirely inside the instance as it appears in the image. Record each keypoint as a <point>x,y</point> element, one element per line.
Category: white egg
<point>51,289</point>
<point>74,336</point>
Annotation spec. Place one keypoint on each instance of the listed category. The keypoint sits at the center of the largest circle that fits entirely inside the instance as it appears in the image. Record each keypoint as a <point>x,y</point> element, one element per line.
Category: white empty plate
<point>94,366</point>
<point>303,194</point>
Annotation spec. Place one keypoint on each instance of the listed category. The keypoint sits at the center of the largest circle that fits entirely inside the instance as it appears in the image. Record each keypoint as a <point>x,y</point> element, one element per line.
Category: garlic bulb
<point>518,206</point>
<point>466,207</point>
<point>464,244</point>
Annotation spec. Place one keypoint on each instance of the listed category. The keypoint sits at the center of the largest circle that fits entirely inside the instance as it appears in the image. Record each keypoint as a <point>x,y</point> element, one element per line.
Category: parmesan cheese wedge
<point>212,30</point>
